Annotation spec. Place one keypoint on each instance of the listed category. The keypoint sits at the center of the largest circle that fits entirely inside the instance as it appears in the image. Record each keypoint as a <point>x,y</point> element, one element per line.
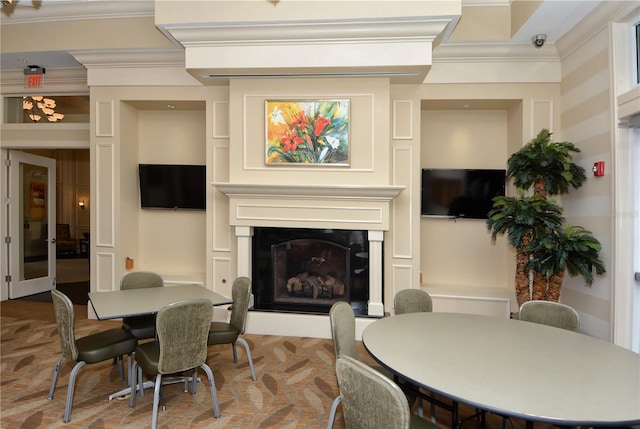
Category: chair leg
<point>121,366</point>
<point>141,383</point>
<point>156,401</point>
<point>54,379</point>
<point>194,381</point>
<point>246,348</point>
<point>129,367</point>
<point>332,413</point>
<point>235,352</point>
<point>133,383</point>
<point>212,385</point>
<point>72,383</point>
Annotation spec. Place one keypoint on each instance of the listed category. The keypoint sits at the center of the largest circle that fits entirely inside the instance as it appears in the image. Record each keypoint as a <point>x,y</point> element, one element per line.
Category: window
<point>47,108</point>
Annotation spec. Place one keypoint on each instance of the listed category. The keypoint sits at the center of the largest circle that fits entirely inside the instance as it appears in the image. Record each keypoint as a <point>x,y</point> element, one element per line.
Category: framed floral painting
<point>310,132</point>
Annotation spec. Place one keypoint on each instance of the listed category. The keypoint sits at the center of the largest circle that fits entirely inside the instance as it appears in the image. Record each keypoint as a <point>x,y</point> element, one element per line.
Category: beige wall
<point>169,241</point>
<point>587,107</point>
<point>460,252</point>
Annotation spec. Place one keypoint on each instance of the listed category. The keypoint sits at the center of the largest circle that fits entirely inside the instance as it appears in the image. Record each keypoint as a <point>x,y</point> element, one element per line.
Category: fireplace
<point>358,214</point>
<point>308,270</point>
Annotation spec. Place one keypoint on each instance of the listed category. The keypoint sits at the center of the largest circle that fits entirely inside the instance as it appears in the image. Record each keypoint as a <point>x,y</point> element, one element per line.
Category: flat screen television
<point>460,193</point>
<point>174,187</point>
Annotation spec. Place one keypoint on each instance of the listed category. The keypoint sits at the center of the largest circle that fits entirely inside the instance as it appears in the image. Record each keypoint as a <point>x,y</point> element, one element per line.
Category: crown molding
<point>300,32</point>
<point>133,58</point>
<point>493,52</point>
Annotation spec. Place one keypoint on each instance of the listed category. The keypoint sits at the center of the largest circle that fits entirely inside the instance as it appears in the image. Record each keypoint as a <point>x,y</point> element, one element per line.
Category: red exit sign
<point>34,80</point>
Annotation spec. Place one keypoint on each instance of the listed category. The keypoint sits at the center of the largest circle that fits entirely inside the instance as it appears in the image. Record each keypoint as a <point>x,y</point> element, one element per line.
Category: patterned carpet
<point>295,386</point>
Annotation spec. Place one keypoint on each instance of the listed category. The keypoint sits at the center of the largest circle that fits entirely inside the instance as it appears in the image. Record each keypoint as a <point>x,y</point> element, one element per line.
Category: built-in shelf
<point>254,190</point>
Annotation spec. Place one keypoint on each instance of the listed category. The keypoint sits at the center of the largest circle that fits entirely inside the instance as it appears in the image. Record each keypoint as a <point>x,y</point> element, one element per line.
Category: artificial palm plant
<point>534,225</point>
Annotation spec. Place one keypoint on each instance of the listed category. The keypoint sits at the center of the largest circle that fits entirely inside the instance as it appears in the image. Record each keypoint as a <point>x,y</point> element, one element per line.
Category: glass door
<point>32,224</point>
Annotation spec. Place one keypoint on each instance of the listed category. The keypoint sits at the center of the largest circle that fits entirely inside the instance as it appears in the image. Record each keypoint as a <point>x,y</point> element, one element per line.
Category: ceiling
<point>553,18</point>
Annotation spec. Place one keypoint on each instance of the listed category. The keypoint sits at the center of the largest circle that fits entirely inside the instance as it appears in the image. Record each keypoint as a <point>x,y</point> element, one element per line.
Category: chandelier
<point>37,107</point>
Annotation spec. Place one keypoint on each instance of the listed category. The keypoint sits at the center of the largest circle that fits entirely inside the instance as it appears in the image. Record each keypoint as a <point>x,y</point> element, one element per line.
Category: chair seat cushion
<point>222,333</point>
<point>105,345</point>
<point>148,356</point>
<point>141,327</point>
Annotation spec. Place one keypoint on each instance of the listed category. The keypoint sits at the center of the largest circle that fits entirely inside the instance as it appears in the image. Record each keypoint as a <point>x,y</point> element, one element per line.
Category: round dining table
<point>511,367</point>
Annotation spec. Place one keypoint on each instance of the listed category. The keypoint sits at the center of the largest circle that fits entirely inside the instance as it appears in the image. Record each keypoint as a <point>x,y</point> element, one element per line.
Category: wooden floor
<point>36,310</point>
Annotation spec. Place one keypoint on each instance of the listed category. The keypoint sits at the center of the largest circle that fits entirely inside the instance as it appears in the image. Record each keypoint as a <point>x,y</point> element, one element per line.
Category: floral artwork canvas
<point>308,132</point>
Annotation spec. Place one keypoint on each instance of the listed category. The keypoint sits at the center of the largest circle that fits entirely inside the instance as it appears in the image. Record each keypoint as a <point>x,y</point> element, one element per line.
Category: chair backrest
<point>240,295</point>
<point>550,313</point>
<point>369,399</point>
<point>412,301</point>
<point>343,329</point>
<point>141,279</point>
<point>183,330</point>
<point>66,320</point>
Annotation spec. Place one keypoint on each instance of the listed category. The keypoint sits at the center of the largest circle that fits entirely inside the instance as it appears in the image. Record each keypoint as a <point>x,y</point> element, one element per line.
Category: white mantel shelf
<point>365,192</point>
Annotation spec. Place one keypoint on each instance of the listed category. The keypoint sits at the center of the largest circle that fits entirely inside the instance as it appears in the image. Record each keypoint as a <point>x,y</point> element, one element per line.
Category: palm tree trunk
<point>555,283</point>
<point>539,287</point>
<point>539,188</point>
<point>522,277</point>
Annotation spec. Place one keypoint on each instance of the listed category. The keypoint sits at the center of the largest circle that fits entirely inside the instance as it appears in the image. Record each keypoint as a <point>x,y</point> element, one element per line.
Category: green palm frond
<point>550,161</point>
<point>571,248</point>
<point>523,217</point>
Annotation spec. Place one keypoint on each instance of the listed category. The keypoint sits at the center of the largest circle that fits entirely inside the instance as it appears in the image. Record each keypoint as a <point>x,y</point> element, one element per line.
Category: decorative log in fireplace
<point>308,270</point>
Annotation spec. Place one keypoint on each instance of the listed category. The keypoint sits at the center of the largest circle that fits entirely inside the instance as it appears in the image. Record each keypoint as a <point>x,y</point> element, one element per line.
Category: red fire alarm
<point>598,168</point>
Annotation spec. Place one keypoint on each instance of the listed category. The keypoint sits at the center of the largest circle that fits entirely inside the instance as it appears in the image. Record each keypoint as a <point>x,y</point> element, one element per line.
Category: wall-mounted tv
<point>175,187</point>
<point>460,193</point>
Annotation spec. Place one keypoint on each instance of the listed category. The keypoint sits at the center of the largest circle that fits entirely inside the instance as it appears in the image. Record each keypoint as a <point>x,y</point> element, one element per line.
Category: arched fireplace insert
<point>308,270</point>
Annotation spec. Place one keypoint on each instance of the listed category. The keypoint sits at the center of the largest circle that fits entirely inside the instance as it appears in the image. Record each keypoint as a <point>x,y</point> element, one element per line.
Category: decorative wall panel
<point>402,120</point>
<point>105,269</point>
<point>402,208</point>
<point>220,123</point>
<point>104,119</point>
<point>104,195</point>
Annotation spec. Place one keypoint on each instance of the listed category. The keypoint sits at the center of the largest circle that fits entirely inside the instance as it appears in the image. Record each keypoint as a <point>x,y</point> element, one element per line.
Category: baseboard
<point>484,301</point>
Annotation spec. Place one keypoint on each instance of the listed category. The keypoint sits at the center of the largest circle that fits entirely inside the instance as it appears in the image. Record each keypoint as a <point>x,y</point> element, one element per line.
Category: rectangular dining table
<point>138,302</point>
<point>510,367</point>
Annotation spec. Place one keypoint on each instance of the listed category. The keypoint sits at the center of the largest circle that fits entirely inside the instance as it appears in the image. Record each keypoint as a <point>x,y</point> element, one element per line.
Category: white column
<point>243,235</point>
<point>376,307</point>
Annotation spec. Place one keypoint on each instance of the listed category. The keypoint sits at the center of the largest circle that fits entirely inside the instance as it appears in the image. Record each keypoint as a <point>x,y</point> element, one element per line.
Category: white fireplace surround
<point>356,207</point>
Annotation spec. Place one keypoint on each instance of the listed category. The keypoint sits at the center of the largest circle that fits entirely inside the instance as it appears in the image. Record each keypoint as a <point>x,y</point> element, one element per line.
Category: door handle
<point>53,241</point>
<point>638,277</point>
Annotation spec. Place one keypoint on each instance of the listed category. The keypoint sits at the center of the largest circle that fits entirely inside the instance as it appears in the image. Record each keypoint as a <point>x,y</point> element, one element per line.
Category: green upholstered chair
<point>372,401</point>
<point>181,328</point>
<point>141,327</point>
<point>550,313</point>
<point>229,333</point>
<point>412,301</point>
<point>86,350</point>
<point>343,333</point>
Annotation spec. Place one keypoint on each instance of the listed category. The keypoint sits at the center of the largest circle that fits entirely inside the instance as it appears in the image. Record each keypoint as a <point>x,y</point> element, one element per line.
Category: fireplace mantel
<point>358,192</point>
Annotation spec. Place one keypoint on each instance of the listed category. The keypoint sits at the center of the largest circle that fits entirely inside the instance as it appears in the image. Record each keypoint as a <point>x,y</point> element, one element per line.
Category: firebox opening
<point>308,270</point>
